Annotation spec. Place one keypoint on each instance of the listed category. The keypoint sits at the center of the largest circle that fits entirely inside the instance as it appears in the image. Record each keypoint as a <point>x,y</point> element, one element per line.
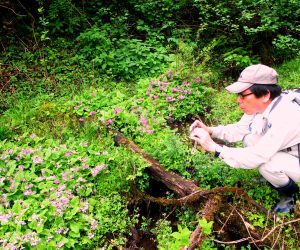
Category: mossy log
<point>188,192</point>
<point>211,207</point>
<point>173,181</point>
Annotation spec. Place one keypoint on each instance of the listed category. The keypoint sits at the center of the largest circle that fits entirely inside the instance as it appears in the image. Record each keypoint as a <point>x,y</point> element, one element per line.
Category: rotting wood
<point>193,197</point>
<point>188,192</point>
<point>173,181</point>
<point>211,207</point>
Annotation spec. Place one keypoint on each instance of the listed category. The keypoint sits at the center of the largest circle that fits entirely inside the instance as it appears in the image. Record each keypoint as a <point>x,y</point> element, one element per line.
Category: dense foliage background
<point>74,72</point>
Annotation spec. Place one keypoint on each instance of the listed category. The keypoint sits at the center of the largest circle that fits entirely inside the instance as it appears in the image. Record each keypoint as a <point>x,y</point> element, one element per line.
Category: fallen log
<point>193,197</point>
<point>188,192</point>
<point>173,181</point>
<point>186,189</point>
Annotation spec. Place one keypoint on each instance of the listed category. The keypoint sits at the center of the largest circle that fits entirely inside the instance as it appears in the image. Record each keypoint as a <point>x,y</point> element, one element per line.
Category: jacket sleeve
<point>273,141</point>
<point>233,132</point>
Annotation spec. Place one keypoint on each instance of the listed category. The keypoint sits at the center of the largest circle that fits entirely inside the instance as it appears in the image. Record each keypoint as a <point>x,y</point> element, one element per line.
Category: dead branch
<point>250,238</point>
<point>195,196</point>
<point>188,193</point>
<point>211,207</point>
<point>186,189</point>
<point>11,10</point>
<point>173,181</point>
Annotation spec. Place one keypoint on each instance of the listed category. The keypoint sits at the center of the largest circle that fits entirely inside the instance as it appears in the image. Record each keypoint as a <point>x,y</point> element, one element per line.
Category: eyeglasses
<point>244,95</point>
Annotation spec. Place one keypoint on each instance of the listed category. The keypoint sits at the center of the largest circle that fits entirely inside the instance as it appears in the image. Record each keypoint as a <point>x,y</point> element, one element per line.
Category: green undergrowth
<point>66,184</point>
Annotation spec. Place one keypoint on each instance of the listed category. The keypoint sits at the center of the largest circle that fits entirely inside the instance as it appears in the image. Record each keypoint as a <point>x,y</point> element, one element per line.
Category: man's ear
<point>267,97</point>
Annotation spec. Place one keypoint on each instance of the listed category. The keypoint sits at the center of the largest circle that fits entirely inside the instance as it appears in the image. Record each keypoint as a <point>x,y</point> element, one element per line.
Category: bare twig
<point>211,207</point>
<point>250,239</point>
<point>224,224</point>
<point>247,227</point>
<point>274,228</point>
<point>11,10</point>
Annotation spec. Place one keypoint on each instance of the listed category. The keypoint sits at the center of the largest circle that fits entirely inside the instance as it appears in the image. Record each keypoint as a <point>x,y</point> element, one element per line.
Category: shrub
<point>249,28</point>
<point>119,58</point>
<point>49,196</point>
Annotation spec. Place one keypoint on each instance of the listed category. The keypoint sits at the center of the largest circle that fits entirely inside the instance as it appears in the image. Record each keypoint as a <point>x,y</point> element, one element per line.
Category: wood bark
<point>211,207</point>
<point>188,192</point>
<point>173,181</point>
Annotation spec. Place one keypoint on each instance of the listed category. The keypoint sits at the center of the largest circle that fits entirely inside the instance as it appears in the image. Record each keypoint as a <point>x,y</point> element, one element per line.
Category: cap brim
<point>238,87</point>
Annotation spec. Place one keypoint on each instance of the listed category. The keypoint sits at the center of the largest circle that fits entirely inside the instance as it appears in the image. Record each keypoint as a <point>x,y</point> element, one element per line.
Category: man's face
<point>250,104</point>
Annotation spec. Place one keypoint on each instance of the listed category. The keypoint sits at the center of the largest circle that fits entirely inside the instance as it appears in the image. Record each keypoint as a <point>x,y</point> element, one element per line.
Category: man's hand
<point>200,124</point>
<point>201,136</point>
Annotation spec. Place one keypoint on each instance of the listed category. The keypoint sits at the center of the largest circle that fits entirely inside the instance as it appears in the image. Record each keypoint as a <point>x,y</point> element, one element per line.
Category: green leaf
<point>75,227</point>
<point>17,208</point>
<point>206,226</point>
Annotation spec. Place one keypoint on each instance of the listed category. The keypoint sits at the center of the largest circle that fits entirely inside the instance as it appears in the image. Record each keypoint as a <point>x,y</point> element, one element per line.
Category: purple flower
<point>74,169</point>
<point>25,151</point>
<point>20,222</point>
<point>37,160</point>
<point>34,217</point>
<point>41,178</point>
<point>199,79</point>
<point>67,154</point>
<point>76,107</point>
<point>28,192</point>
<point>29,186</point>
<point>170,120</point>
<point>5,217</point>
<point>169,99</point>
<point>84,207</point>
<point>80,179</point>
<point>60,230</point>
<point>9,151</point>
<point>91,235</point>
<point>85,166</point>
<point>144,121</point>
<point>94,224</point>
<point>50,237</point>
<point>108,122</point>
<point>65,175</point>
<point>12,187</point>
<point>97,169</point>
<point>169,73</point>
<point>57,181</point>
<point>21,167</point>
<point>117,110</point>
<point>92,113</point>
<point>33,136</point>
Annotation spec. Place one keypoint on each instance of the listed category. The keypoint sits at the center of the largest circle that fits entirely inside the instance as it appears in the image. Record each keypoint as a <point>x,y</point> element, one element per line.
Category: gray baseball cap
<point>254,74</point>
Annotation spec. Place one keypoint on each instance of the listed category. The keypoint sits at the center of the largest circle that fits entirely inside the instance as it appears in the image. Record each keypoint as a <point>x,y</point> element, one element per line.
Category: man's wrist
<point>218,150</point>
